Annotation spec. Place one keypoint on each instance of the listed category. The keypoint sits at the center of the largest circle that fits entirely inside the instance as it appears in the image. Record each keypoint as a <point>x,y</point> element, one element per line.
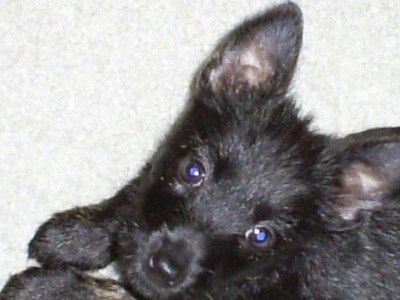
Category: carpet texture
<point>87,88</point>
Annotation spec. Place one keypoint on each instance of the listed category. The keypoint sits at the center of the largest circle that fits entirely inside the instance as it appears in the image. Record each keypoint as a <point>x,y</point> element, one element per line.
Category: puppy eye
<point>192,172</point>
<point>260,237</point>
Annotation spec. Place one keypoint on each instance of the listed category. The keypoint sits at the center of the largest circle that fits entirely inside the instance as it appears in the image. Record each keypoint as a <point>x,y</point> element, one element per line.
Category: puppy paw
<point>41,284</point>
<point>74,238</point>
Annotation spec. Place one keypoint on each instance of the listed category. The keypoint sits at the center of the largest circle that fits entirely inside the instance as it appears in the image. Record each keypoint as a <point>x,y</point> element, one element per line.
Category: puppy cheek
<point>128,244</point>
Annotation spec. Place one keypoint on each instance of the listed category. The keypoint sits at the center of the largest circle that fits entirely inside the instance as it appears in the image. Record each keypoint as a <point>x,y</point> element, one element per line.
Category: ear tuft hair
<point>369,171</point>
<point>260,54</point>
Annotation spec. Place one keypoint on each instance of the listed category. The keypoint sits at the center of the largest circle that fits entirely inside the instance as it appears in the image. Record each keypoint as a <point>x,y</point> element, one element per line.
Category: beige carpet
<point>88,87</point>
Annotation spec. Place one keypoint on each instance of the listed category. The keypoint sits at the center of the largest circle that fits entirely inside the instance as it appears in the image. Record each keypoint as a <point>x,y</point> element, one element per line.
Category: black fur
<point>240,163</point>
<point>64,283</point>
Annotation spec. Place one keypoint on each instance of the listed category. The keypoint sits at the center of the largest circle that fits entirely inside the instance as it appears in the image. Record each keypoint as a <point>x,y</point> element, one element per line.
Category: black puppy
<point>241,200</point>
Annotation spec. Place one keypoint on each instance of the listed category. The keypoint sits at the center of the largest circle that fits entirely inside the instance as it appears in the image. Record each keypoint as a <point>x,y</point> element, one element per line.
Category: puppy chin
<point>167,263</point>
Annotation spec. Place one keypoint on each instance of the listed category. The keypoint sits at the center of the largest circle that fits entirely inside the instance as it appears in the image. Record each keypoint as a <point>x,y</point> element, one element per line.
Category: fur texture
<point>241,200</point>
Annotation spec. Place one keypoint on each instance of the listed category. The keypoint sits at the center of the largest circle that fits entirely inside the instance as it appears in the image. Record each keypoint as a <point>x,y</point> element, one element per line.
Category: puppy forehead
<point>253,185</point>
<point>250,151</point>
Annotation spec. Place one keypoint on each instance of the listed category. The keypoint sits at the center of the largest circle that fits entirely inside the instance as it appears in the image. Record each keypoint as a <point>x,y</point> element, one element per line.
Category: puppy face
<point>221,202</point>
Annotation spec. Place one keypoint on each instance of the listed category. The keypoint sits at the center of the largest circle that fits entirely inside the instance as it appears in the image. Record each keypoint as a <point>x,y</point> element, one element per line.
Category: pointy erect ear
<point>369,172</point>
<point>259,54</point>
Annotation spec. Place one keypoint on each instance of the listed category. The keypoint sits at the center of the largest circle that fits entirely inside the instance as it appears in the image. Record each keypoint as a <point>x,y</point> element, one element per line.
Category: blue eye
<point>192,172</point>
<point>260,237</point>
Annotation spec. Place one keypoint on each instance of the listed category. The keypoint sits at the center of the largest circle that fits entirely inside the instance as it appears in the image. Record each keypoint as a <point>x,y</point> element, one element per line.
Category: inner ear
<point>248,64</point>
<point>361,189</point>
<point>368,166</point>
<point>259,54</point>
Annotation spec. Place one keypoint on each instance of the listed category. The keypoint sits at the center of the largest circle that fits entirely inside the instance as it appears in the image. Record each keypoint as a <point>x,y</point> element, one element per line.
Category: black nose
<point>166,268</point>
<point>169,262</point>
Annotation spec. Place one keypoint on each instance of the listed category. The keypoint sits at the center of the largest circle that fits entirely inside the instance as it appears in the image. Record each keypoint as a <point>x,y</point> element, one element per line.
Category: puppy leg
<point>82,237</point>
<point>41,284</point>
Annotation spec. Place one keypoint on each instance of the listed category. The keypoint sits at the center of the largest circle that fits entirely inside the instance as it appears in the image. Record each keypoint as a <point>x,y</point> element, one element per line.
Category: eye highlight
<point>192,172</point>
<point>260,237</point>
<point>195,171</point>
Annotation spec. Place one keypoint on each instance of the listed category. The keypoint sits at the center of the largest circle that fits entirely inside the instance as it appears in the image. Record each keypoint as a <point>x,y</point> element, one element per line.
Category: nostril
<point>165,266</point>
<point>165,269</point>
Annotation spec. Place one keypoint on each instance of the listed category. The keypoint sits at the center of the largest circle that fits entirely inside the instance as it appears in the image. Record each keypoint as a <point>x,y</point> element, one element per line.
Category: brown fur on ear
<point>361,188</point>
<point>260,54</point>
<point>369,164</point>
<point>248,65</point>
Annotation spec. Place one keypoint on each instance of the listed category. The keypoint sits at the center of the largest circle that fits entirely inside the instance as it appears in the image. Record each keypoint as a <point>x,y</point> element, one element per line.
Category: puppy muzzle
<point>172,259</point>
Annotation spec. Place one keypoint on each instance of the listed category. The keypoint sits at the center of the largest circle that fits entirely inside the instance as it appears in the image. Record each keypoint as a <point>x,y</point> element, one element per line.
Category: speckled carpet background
<point>87,88</point>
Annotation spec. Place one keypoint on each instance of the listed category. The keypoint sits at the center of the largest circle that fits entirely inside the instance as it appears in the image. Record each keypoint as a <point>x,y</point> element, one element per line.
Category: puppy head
<point>222,198</point>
